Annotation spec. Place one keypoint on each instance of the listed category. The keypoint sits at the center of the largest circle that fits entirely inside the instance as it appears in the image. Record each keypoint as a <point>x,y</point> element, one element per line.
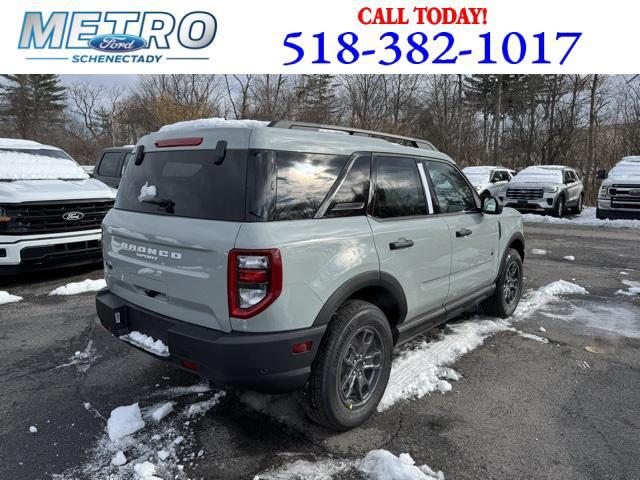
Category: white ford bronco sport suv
<point>548,189</point>
<point>619,194</point>
<point>50,210</point>
<point>288,257</point>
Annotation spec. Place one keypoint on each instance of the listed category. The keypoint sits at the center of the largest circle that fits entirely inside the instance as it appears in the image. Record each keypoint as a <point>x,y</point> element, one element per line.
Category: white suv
<point>50,209</point>
<point>488,181</point>
<point>548,189</point>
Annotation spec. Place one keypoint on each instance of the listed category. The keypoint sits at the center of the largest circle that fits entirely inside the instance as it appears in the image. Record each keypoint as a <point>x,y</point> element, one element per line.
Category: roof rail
<point>293,125</point>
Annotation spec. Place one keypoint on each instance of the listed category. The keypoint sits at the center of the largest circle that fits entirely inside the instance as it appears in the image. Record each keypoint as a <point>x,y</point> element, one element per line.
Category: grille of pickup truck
<point>524,193</point>
<point>625,196</point>
<point>53,217</point>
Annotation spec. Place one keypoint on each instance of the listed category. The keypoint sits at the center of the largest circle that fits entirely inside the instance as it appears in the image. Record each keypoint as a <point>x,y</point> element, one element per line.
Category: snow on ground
<point>134,449</point>
<point>538,251</point>
<point>419,371</point>
<point>587,217</point>
<point>376,465</point>
<point>82,359</point>
<point>6,297</point>
<point>80,287</point>
<point>25,166</point>
<point>151,345</point>
<point>621,319</point>
<point>632,290</point>
<point>570,258</point>
<point>214,122</point>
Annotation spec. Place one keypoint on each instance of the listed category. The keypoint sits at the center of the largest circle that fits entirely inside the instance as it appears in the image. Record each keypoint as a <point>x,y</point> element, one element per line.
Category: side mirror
<point>491,206</point>
<point>601,174</point>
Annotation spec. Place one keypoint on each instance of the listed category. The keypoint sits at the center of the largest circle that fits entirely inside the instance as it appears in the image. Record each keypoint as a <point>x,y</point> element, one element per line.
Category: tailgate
<point>170,265</point>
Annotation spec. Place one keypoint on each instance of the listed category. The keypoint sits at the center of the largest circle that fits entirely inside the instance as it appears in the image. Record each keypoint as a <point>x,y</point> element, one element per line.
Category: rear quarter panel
<point>318,256</point>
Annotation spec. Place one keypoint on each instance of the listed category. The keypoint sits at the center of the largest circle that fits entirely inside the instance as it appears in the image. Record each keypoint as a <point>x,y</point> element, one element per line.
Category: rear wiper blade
<point>165,203</point>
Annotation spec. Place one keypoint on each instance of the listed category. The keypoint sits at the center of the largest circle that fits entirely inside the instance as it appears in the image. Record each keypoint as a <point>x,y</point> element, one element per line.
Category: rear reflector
<point>252,276</point>
<point>302,347</point>
<point>179,142</point>
<point>189,364</point>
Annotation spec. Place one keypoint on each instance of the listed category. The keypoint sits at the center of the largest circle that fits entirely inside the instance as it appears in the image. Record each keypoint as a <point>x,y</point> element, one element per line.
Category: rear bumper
<point>258,361</point>
<point>612,214</point>
<point>28,253</point>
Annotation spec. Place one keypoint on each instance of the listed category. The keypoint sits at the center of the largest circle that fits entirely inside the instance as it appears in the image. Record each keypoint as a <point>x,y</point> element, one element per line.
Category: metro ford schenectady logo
<point>117,43</point>
<point>116,37</point>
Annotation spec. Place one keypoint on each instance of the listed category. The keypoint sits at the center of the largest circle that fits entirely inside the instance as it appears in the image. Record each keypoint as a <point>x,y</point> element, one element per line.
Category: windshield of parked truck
<point>628,168</point>
<point>38,164</point>
<point>477,176</point>
<point>538,175</point>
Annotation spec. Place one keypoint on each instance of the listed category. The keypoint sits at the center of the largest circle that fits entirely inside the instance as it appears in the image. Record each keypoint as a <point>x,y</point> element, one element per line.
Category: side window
<point>109,164</point>
<point>351,197</point>
<point>303,181</point>
<point>452,191</point>
<point>567,177</point>
<point>501,176</point>
<point>127,158</point>
<point>399,191</point>
<point>576,178</point>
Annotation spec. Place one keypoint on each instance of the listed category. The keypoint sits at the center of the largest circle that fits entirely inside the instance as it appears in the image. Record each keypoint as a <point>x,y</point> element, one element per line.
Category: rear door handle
<point>465,232</point>
<point>401,243</point>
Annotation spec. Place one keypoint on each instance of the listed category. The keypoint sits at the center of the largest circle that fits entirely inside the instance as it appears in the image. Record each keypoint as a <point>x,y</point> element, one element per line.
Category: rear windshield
<point>249,186</point>
<point>186,183</point>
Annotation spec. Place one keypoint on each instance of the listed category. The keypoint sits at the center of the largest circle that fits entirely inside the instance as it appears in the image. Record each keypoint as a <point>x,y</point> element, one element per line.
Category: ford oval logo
<point>72,216</point>
<point>635,192</point>
<point>117,43</point>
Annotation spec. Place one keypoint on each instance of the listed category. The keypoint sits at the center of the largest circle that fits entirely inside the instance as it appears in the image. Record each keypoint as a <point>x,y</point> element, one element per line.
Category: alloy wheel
<point>511,283</point>
<point>360,367</point>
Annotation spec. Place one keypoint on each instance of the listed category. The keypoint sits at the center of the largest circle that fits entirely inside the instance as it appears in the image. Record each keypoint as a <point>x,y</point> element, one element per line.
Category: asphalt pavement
<point>523,409</point>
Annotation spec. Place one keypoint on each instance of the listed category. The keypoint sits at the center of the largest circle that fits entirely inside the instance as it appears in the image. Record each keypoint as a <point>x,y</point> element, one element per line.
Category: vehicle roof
<point>127,148</point>
<point>485,168</point>
<point>630,160</point>
<point>20,144</point>
<point>268,138</point>
<point>547,167</point>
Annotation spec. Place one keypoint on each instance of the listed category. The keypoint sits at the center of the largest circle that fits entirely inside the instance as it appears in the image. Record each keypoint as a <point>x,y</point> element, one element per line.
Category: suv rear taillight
<point>254,281</point>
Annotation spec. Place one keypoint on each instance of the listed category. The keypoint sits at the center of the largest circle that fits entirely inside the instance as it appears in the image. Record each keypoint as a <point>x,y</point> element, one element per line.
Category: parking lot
<point>552,394</point>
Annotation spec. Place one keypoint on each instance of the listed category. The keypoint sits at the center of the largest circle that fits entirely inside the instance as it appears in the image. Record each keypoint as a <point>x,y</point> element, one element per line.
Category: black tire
<point>322,398</point>
<point>599,214</point>
<point>558,209</point>
<point>578,208</point>
<point>506,297</point>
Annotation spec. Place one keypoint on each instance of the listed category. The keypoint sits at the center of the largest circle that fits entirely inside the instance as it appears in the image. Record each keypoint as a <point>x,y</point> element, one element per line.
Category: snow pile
<point>153,450</point>
<point>25,166</point>
<point>587,218</point>
<point>157,347</point>
<point>124,421</point>
<point>200,408</point>
<point>82,359</point>
<point>570,258</point>
<point>119,459</point>
<point>33,429</point>
<point>147,192</point>
<point>80,287</point>
<point>6,297</point>
<point>419,371</point>
<point>538,251</point>
<point>376,465</point>
<point>162,411</point>
<point>632,291</point>
<point>382,464</point>
<point>214,122</point>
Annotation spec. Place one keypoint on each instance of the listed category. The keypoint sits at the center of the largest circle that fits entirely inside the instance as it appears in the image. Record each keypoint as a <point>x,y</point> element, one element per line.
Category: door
<point>413,245</point>
<point>499,178</point>
<point>474,236</point>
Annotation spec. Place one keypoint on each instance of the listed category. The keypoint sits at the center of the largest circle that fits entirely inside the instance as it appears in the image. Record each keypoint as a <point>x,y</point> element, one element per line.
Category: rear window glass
<point>304,179</point>
<point>186,183</point>
<point>109,164</point>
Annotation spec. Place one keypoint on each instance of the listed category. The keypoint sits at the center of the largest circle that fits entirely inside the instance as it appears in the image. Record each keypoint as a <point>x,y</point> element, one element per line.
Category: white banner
<point>332,36</point>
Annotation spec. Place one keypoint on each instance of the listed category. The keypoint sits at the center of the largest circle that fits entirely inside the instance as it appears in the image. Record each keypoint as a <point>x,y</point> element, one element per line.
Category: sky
<point>106,80</point>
